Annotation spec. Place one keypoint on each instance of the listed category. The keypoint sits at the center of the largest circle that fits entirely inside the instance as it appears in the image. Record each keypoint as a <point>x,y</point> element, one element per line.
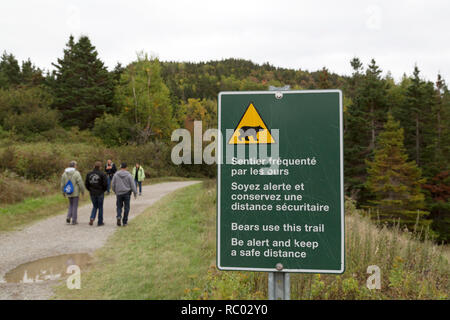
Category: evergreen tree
<point>355,81</point>
<point>356,135</point>
<point>83,88</point>
<point>373,97</point>
<point>439,148</point>
<point>396,97</point>
<point>9,71</point>
<point>117,72</point>
<point>30,75</point>
<point>438,189</point>
<point>364,119</point>
<point>395,182</point>
<point>415,118</point>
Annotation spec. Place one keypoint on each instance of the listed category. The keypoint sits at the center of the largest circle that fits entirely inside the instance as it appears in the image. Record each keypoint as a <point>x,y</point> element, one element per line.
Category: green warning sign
<point>280,181</point>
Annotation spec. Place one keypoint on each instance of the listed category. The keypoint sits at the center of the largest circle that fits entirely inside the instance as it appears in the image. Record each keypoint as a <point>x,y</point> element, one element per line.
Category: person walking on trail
<point>72,185</point>
<point>123,185</point>
<point>97,183</point>
<point>139,176</point>
<point>110,169</point>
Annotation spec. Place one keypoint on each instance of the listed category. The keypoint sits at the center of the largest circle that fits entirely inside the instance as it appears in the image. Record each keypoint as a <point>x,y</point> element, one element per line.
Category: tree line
<point>396,134</point>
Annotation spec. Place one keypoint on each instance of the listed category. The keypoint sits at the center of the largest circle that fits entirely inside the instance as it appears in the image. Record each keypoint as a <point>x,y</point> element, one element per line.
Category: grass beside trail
<point>168,179</point>
<point>409,269</point>
<point>30,210</point>
<point>14,216</point>
<point>162,254</point>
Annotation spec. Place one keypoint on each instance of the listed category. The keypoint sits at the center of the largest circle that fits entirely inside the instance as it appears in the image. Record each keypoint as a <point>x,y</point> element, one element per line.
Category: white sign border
<point>219,157</point>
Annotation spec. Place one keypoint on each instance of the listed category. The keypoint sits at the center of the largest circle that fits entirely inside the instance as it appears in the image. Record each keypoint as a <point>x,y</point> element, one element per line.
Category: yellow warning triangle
<point>251,129</point>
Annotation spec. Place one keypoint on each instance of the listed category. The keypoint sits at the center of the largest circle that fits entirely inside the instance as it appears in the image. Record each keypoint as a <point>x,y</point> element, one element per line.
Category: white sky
<point>298,34</point>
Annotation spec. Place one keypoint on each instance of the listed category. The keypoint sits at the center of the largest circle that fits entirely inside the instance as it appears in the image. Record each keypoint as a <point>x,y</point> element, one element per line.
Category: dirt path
<point>52,237</point>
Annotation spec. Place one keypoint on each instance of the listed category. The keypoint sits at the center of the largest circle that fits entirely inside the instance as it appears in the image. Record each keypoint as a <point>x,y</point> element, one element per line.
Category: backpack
<point>68,188</point>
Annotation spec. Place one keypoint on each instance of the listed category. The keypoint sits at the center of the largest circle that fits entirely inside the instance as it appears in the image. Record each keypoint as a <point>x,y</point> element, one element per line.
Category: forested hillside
<point>396,134</point>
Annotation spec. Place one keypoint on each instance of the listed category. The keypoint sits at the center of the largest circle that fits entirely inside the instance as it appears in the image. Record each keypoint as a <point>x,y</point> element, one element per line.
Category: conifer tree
<point>30,75</point>
<point>394,181</point>
<point>438,192</point>
<point>437,188</point>
<point>355,80</point>
<point>415,117</point>
<point>364,119</point>
<point>373,98</point>
<point>9,71</point>
<point>439,148</point>
<point>83,88</point>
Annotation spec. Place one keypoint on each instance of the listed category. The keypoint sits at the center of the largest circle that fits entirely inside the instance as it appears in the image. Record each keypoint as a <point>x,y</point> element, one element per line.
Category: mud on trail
<point>33,259</point>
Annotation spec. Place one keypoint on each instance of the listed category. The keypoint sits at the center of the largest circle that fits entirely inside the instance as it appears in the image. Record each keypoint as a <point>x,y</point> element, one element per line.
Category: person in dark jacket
<point>97,183</point>
<point>110,169</point>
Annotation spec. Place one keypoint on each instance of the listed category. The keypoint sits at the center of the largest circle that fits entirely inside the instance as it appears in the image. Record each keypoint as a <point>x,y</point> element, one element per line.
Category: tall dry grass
<point>412,267</point>
<point>14,188</point>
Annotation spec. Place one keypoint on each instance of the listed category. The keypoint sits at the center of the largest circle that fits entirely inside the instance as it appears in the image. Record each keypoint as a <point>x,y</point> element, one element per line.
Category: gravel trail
<point>52,237</point>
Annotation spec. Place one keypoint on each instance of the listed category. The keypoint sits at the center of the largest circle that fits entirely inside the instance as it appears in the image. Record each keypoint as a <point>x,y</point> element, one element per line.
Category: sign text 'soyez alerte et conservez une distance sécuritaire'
<point>280,181</point>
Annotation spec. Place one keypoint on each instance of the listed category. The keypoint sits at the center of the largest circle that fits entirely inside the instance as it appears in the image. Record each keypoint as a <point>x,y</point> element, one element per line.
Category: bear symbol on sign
<point>247,131</point>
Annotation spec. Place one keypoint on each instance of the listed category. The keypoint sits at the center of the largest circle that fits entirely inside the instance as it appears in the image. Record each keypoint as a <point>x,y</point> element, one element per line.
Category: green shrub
<point>56,134</point>
<point>77,136</point>
<point>154,157</point>
<point>23,100</point>
<point>31,123</point>
<point>8,158</point>
<point>113,130</point>
<point>3,133</point>
<point>39,165</point>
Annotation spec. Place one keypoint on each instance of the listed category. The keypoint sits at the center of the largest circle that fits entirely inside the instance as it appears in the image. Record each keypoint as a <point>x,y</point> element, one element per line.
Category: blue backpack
<point>68,188</point>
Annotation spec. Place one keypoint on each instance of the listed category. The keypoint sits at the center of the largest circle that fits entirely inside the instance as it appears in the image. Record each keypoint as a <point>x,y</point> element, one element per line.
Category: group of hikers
<point>98,182</point>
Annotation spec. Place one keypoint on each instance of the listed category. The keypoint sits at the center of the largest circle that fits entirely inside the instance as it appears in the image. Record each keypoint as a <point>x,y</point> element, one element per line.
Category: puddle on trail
<point>51,268</point>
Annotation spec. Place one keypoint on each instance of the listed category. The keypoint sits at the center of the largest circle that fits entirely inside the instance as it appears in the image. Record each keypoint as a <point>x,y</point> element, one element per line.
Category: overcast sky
<point>295,34</point>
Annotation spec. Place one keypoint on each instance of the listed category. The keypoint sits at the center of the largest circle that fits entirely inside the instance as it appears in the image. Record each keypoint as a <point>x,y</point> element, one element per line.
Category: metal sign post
<point>279,283</point>
<point>279,286</point>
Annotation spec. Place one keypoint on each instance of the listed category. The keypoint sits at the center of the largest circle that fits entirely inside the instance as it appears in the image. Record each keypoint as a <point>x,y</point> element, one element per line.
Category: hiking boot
<point>74,223</point>
<point>118,222</point>
<point>91,222</point>
<point>68,220</point>
<point>100,224</point>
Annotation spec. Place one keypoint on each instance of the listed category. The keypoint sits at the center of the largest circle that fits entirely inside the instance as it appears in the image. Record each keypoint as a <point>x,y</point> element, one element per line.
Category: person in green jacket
<point>139,176</point>
<point>72,190</point>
